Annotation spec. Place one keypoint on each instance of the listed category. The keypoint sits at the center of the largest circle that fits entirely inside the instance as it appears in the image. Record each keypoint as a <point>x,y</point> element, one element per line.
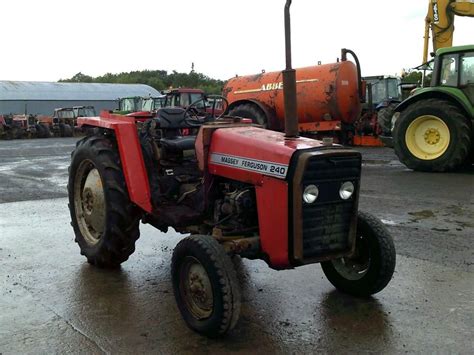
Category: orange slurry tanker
<point>329,98</point>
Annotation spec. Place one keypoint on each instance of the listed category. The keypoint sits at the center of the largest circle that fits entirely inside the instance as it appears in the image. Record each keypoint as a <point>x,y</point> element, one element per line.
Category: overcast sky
<point>52,39</point>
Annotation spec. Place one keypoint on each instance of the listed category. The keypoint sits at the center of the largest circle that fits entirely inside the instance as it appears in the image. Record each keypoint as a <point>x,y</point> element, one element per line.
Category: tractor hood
<point>247,153</point>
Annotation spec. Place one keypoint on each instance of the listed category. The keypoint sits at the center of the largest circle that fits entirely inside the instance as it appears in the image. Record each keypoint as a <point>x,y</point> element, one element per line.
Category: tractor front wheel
<point>371,266</point>
<point>432,135</point>
<point>105,222</point>
<point>205,285</point>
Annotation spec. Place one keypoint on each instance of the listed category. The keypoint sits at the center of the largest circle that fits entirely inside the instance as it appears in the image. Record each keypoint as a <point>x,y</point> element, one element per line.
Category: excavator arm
<point>440,20</point>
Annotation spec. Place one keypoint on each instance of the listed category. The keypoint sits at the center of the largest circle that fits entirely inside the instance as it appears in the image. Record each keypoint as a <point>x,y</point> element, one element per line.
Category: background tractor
<point>217,187</point>
<point>434,127</point>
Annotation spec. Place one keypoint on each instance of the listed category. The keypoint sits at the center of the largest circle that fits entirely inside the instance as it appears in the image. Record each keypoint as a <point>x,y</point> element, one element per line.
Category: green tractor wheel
<point>432,135</point>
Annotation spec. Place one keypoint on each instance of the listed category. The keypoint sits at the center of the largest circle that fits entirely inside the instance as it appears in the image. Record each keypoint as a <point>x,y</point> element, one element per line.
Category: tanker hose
<point>344,52</point>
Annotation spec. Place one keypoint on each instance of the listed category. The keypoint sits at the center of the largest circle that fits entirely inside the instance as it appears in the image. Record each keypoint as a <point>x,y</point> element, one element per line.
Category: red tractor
<point>217,187</point>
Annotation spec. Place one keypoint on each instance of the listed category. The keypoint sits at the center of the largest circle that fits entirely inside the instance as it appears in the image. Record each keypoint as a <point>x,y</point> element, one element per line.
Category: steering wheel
<point>192,113</point>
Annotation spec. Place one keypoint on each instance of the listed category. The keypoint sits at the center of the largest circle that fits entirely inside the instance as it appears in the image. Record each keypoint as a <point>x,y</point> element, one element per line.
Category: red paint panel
<point>272,202</point>
<point>256,144</point>
<point>130,152</point>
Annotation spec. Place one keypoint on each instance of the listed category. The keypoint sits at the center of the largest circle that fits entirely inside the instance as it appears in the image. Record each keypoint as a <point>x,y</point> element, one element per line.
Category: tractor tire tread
<point>462,143</point>
<point>227,278</point>
<point>252,110</point>
<point>122,218</point>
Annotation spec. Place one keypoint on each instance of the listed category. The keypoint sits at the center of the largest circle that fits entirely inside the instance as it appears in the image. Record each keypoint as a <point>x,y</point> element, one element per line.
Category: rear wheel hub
<point>89,201</point>
<point>427,137</point>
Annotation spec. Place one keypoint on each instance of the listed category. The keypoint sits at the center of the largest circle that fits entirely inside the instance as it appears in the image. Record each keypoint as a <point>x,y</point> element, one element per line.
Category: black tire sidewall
<point>210,326</point>
<point>369,283</point>
<point>79,156</point>
<point>106,251</point>
<point>249,111</point>
<point>444,161</point>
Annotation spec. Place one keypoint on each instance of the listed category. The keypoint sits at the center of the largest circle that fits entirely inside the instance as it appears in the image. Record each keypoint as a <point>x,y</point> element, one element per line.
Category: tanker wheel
<point>371,266</point>
<point>205,285</point>
<point>432,135</point>
<point>384,118</point>
<point>250,111</point>
<point>104,220</point>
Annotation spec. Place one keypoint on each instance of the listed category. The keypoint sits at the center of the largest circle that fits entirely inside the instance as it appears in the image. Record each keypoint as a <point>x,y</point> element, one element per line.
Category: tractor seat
<point>178,144</point>
<point>171,118</point>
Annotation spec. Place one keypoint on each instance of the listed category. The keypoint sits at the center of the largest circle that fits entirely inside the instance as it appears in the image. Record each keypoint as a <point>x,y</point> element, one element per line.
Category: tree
<point>158,79</point>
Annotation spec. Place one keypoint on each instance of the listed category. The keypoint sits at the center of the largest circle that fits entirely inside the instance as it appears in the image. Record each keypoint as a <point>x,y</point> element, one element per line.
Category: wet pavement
<point>52,301</point>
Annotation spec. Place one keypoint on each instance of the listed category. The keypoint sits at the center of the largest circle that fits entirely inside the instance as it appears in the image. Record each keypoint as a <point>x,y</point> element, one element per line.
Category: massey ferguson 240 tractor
<point>235,189</point>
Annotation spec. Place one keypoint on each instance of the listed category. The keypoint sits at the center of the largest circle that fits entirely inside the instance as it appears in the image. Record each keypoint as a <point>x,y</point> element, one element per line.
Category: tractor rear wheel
<point>47,131</point>
<point>105,222</point>
<point>250,111</point>
<point>371,267</point>
<point>67,131</point>
<point>61,129</point>
<point>384,118</point>
<point>39,131</point>
<point>432,135</point>
<point>205,285</point>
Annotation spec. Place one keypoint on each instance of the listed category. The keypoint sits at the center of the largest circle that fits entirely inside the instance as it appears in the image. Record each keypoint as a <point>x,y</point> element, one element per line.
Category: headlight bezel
<point>310,194</point>
<point>347,190</point>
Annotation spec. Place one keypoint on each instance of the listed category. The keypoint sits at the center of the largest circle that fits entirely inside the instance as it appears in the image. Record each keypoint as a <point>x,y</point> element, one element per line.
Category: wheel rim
<point>196,289</point>
<point>89,202</point>
<point>427,137</point>
<point>355,267</point>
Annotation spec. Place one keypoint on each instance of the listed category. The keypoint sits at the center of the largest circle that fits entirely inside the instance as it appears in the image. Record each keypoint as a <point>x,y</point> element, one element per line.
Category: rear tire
<point>432,135</point>
<point>250,111</point>
<point>372,266</point>
<point>61,129</point>
<point>47,131</point>
<point>105,222</point>
<point>384,118</point>
<point>67,131</point>
<point>205,285</point>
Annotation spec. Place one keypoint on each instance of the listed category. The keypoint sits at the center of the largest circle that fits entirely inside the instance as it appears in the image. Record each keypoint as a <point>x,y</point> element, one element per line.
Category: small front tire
<point>372,266</point>
<point>205,285</point>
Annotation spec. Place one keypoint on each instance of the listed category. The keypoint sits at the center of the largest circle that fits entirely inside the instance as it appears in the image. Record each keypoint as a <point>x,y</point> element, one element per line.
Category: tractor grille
<point>325,225</point>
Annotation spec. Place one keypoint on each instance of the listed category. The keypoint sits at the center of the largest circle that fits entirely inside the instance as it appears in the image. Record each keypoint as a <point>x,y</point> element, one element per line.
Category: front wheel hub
<point>196,288</point>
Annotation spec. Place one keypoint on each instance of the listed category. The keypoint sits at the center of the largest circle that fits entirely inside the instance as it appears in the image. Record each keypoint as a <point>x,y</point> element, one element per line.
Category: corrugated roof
<point>39,90</point>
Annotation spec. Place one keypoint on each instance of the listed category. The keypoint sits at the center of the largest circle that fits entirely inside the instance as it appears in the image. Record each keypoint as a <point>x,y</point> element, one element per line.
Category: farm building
<point>42,98</point>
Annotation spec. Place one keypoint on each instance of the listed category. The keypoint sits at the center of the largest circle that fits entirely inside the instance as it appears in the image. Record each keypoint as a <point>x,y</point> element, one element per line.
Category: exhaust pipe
<point>289,82</point>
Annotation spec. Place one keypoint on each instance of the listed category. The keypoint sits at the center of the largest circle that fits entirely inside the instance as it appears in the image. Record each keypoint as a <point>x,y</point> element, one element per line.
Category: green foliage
<point>158,79</point>
<point>412,77</point>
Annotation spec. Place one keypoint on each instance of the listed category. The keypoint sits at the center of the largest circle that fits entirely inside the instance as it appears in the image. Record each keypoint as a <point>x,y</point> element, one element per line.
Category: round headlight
<point>346,190</point>
<point>310,193</point>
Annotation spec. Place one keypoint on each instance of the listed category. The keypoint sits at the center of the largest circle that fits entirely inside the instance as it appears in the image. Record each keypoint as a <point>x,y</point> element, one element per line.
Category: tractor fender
<point>269,113</point>
<point>448,94</point>
<point>386,103</point>
<point>131,156</point>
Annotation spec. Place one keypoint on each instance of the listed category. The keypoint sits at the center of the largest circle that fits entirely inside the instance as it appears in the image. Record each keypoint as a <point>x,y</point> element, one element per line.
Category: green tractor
<point>128,105</point>
<point>434,128</point>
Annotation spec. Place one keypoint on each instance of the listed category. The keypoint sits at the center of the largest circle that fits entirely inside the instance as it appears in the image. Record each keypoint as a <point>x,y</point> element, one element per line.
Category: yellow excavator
<point>440,22</point>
